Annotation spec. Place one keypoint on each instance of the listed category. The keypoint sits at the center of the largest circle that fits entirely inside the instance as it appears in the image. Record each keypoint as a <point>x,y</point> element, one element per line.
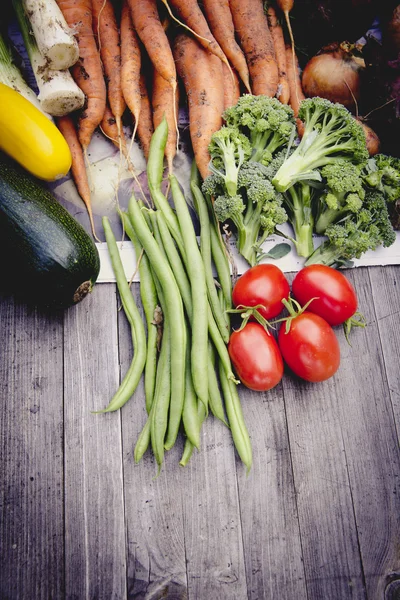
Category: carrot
<point>145,127</point>
<point>78,169</point>
<point>286,6</point>
<point>150,30</point>
<point>131,61</point>
<point>164,104</point>
<point>108,40</point>
<point>193,18</point>
<point>296,91</point>
<point>255,38</point>
<point>109,128</point>
<point>220,20</point>
<point>87,71</point>
<point>201,73</point>
<point>231,87</point>
<point>280,53</point>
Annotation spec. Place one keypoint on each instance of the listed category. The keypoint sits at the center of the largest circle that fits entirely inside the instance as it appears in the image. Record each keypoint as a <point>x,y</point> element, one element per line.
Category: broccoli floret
<point>228,149</point>
<point>383,174</point>
<point>267,123</point>
<point>356,233</point>
<point>344,192</point>
<point>330,133</point>
<point>213,185</point>
<point>254,211</point>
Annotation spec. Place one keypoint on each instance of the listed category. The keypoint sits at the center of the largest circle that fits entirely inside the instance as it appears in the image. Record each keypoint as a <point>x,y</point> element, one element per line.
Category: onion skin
<point>372,139</point>
<point>335,74</point>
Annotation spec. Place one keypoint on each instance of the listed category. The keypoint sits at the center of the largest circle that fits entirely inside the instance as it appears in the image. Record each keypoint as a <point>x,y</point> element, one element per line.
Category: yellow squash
<point>30,138</point>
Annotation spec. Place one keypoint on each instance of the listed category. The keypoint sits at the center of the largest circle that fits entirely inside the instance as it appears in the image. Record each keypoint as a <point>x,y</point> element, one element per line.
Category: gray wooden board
<point>31,422</point>
<point>94,508</point>
<point>316,519</point>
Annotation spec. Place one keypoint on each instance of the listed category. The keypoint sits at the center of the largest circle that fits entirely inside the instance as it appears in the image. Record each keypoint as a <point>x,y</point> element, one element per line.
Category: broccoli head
<point>267,123</point>
<point>356,233</point>
<point>383,173</point>
<point>344,192</point>
<point>331,133</point>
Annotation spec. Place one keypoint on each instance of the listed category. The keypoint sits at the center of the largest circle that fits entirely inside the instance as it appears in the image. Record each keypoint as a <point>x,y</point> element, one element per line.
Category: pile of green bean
<point>187,369</point>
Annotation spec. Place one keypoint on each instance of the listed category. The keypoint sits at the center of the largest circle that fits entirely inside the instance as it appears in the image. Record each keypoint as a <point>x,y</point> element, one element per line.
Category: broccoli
<point>344,192</point>
<point>356,233</point>
<point>383,174</point>
<point>266,122</point>
<point>299,200</point>
<point>330,133</point>
<point>228,150</point>
<point>255,210</point>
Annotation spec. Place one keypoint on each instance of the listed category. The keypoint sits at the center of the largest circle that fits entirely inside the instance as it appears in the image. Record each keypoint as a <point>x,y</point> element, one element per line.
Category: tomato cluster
<point>322,298</point>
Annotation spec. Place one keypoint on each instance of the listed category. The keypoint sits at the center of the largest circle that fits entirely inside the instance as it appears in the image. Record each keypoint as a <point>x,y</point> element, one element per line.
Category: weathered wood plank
<point>329,540</point>
<point>369,431</point>
<point>95,547</point>
<point>153,505</point>
<point>270,525</point>
<point>31,437</point>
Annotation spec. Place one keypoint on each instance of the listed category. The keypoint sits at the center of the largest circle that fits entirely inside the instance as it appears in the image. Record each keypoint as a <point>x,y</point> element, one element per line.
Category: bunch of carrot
<point>147,55</point>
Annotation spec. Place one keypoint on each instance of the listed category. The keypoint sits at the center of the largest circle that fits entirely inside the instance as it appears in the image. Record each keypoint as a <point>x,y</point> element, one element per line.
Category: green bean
<point>205,248</point>
<point>132,377</point>
<point>220,346</point>
<point>155,169</point>
<point>234,412</point>
<point>149,298</point>
<point>221,262</point>
<point>214,394</point>
<point>195,271</point>
<point>176,263</point>
<point>143,442</point>
<point>189,447</point>
<point>190,417</point>
<point>173,312</point>
<point>162,398</point>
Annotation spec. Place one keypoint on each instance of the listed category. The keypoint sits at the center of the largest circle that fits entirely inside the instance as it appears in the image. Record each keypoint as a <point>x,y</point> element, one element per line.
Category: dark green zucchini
<point>47,256</point>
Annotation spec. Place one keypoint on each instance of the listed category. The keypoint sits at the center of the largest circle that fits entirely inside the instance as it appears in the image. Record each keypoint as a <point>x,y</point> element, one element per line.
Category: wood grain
<point>31,434</point>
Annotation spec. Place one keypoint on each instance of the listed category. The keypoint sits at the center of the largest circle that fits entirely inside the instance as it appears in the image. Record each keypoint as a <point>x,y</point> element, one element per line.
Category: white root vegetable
<point>59,95</point>
<point>10,75</point>
<point>53,36</point>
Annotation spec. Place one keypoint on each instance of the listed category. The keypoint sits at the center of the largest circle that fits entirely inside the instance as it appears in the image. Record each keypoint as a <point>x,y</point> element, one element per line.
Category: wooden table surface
<point>318,517</point>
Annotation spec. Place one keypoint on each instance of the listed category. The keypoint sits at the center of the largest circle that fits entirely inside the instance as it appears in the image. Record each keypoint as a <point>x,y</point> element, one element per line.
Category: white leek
<point>10,75</point>
<point>53,36</point>
<point>58,93</point>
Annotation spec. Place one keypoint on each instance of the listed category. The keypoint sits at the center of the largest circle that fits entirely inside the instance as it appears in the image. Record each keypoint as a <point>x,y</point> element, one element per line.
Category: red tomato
<point>337,299</point>
<point>310,347</point>
<point>262,284</point>
<point>256,357</point>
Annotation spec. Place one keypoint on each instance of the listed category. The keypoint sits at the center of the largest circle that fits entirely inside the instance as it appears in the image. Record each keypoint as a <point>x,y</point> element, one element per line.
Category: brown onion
<point>372,139</point>
<point>334,74</point>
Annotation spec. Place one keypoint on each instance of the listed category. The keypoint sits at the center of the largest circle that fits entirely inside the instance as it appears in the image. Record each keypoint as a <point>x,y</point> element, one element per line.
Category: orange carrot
<point>78,169</point>
<point>219,18</point>
<point>106,30</point>
<point>164,104</point>
<point>87,72</point>
<point>150,30</point>
<point>201,73</point>
<point>231,87</point>
<point>280,53</point>
<point>109,127</point>
<point>296,91</point>
<point>286,6</point>
<point>255,38</point>
<point>131,61</point>
<point>145,127</point>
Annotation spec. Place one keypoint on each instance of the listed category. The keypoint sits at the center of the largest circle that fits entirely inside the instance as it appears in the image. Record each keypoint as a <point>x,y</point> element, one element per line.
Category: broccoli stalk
<point>356,233</point>
<point>228,149</point>
<point>266,122</point>
<point>298,201</point>
<point>330,133</point>
<point>344,193</point>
